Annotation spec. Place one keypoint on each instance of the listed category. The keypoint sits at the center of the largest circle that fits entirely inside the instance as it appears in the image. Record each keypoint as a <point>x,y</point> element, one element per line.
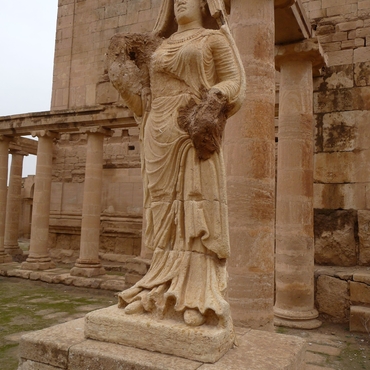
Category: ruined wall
<point>84,28</point>
<point>342,113</point>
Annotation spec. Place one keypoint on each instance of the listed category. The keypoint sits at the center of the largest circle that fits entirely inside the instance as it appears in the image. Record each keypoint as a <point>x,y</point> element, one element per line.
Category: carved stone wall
<point>342,111</point>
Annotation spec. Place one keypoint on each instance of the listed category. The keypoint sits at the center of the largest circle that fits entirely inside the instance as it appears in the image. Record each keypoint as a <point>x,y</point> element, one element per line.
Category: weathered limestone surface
<point>249,149</point>
<point>4,147</point>
<point>360,319</point>
<point>206,343</point>
<point>256,350</point>
<point>335,237</point>
<point>294,267</point>
<point>38,258</point>
<point>88,263</point>
<point>333,298</point>
<point>13,206</point>
<point>364,237</point>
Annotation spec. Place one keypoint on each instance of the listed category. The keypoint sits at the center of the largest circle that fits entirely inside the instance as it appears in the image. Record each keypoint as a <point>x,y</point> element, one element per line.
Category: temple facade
<point>296,157</point>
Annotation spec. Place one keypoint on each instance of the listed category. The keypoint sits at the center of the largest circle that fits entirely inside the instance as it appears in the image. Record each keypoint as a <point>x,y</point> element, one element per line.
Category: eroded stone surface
<point>206,343</point>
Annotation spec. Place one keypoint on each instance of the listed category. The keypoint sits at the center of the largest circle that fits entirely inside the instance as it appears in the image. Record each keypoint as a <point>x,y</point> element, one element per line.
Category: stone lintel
<point>17,149</point>
<point>45,133</point>
<point>307,50</point>
<point>66,120</point>
<point>64,346</point>
<point>97,130</point>
<point>204,343</point>
<point>283,3</point>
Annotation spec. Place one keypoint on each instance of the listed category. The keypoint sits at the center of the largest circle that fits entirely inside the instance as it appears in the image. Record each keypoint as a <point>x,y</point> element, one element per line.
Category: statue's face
<point>187,11</point>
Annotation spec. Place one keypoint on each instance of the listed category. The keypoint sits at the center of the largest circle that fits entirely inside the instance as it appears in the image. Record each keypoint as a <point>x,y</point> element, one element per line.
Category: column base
<point>5,258</point>
<point>13,251</point>
<point>38,263</point>
<point>297,319</point>
<point>88,270</point>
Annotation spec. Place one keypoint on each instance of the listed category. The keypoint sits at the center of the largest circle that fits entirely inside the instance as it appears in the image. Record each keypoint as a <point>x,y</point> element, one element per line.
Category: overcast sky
<point>27,38</point>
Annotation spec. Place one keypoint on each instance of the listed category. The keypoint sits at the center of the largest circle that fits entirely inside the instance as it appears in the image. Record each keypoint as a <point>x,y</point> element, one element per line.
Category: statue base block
<point>64,346</point>
<point>203,343</point>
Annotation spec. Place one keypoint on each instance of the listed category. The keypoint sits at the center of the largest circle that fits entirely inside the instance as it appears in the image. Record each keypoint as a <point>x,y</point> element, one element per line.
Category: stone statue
<point>182,82</point>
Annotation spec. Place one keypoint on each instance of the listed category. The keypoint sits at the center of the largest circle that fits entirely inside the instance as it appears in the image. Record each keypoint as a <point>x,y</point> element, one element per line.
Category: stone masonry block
<point>343,9</point>
<point>360,319</point>
<point>364,236</point>
<point>332,298</point>
<point>362,73</point>
<point>357,98</point>
<point>340,57</point>
<point>339,196</point>
<point>362,55</point>
<point>42,345</point>
<point>359,292</point>
<point>335,237</point>
<point>364,4</point>
<point>348,26</point>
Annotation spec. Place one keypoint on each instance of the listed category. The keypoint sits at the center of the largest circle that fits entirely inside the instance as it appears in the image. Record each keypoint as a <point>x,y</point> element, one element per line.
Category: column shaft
<point>250,167</point>
<point>294,305</point>
<point>13,207</point>
<point>4,149</point>
<point>39,258</point>
<point>88,263</point>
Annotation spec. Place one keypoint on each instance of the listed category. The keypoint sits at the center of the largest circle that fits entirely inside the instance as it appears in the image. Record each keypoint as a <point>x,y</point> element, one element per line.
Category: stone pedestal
<point>64,346</point>
<point>13,206</point>
<point>205,343</point>
<point>249,149</point>
<point>38,258</point>
<point>294,305</point>
<point>4,148</point>
<point>88,264</point>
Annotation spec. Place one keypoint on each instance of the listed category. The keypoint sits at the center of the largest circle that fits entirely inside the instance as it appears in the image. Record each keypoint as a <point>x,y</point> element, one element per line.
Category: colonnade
<point>10,202</point>
<point>250,134</point>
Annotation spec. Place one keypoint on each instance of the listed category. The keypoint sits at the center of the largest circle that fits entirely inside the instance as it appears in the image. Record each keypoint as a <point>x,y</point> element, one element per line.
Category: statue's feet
<point>193,317</point>
<point>135,307</point>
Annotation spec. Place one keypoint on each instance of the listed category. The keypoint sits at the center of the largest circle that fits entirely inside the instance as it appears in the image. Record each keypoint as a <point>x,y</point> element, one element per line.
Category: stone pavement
<point>331,347</point>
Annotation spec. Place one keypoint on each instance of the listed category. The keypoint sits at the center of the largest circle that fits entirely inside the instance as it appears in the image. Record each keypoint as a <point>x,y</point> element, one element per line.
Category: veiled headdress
<point>166,24</point>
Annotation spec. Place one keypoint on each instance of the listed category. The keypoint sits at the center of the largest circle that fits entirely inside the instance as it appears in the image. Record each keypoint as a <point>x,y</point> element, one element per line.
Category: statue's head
<point>170,14</point>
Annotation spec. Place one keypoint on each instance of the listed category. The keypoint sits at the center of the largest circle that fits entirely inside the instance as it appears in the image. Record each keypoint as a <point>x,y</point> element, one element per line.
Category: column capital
<point>6,138</point>
<point>307,50</point>
<point>45,133</point>
<point>96,130</point>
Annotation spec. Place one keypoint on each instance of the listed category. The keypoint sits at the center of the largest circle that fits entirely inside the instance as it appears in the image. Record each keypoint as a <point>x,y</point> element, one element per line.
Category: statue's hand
<point>205,122</point>
<point>125,77</point>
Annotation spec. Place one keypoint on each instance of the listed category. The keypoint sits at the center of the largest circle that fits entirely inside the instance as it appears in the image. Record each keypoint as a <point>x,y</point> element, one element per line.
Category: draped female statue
<point>182,89</point>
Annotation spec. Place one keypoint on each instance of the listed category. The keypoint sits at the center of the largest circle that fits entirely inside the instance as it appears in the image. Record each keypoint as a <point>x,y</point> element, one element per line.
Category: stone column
<point>88,264</point>
<point>38,258</point>
<point>13,205</point>
<point>294,305</point>
<point>4,149</point>
<point>250,168</point>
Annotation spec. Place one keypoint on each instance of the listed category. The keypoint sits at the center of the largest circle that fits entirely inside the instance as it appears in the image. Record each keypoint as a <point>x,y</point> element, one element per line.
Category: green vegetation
<point>31,305</point>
